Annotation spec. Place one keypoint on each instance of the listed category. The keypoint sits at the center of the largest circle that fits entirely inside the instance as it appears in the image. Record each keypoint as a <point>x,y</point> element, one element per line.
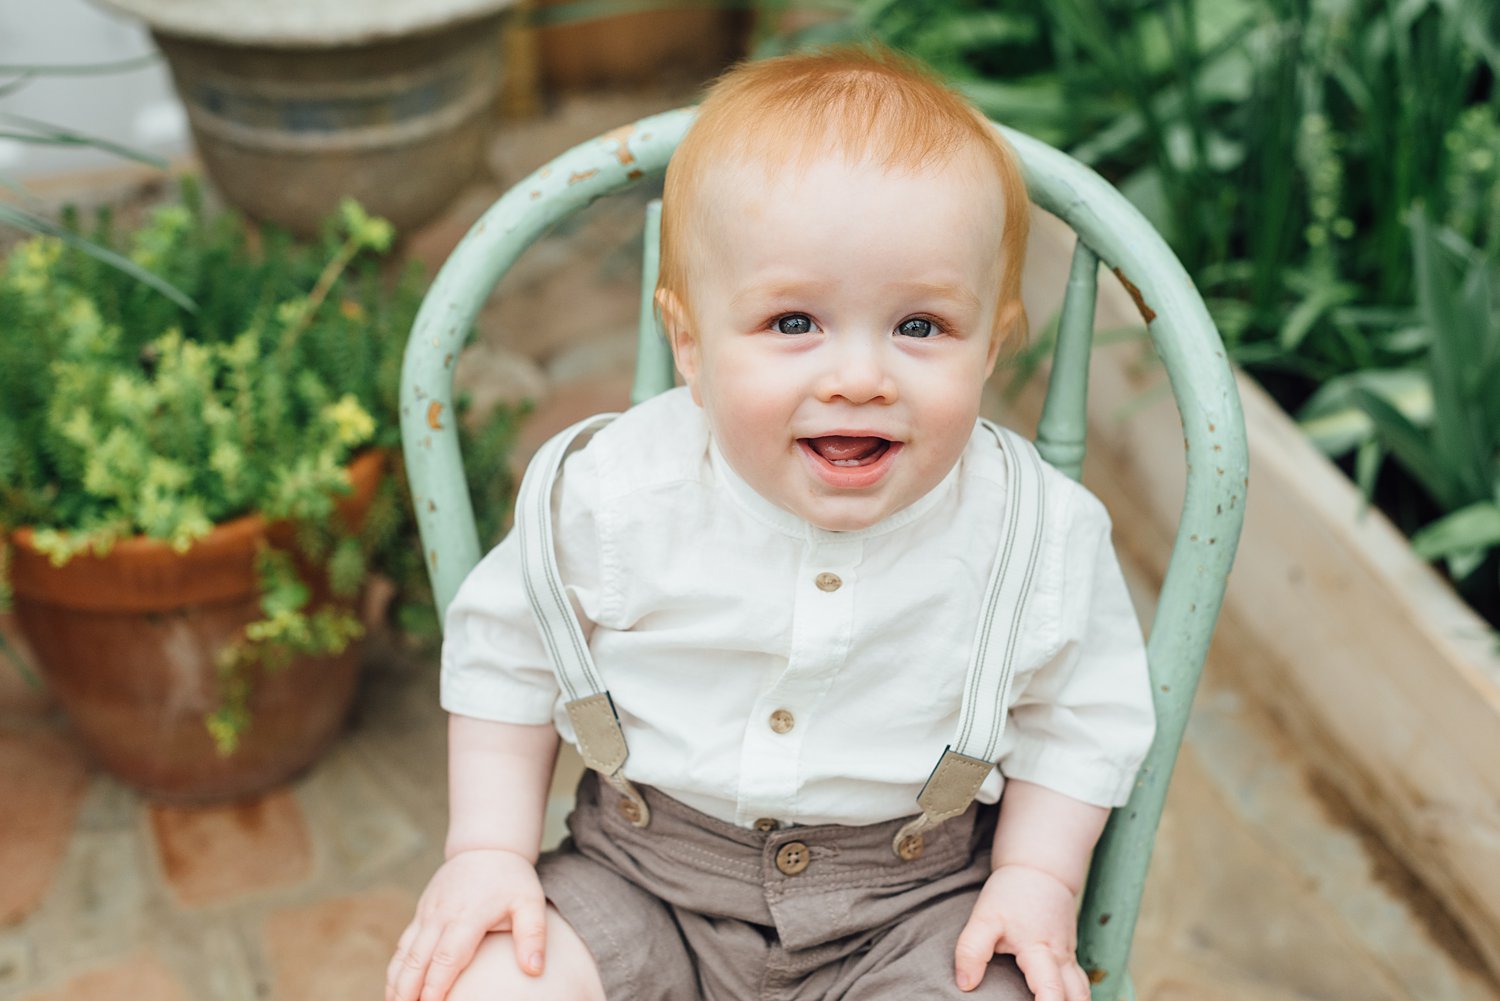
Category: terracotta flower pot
<point>128,642</point>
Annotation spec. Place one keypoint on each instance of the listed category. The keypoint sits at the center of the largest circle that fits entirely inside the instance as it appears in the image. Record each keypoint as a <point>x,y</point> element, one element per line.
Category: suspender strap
<point>601,742</point>
<point>966,763</point>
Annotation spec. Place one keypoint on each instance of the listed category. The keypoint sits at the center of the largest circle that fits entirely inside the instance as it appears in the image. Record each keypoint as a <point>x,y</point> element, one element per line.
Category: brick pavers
<point>212,854</point>
<point>42,781</point>
<point>298,894</point>
<point>141,977</point>
<point>335,949</point>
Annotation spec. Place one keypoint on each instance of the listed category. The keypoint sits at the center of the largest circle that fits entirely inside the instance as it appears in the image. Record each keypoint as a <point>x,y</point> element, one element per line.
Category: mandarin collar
<point>776,517</point>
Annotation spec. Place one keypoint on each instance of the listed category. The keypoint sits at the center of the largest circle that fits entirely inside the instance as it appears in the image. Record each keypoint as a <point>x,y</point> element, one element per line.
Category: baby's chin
<point>843,514</point>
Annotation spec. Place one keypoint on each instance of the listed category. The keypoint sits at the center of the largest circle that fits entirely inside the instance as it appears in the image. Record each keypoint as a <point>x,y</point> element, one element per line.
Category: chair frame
<point>1110,230</point>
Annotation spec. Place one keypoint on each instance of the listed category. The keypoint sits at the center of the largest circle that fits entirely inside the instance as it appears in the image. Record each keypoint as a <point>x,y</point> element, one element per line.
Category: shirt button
<point>782,721</point>
<point>828,581</point>
<point>792,858</point>
<point>766,825</point>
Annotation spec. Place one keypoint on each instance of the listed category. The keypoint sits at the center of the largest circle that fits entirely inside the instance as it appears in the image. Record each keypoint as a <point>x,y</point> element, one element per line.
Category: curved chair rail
<point>1109,226</point>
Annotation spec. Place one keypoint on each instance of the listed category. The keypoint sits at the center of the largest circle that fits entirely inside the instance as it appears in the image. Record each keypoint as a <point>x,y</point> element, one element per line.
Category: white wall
<point>136,108</point>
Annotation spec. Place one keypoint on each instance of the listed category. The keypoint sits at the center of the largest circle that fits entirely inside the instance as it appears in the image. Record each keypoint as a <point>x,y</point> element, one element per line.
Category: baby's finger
<point>413,962</point>
<point>1077,981</point>
<point>452,953</point>
<point>1042,972</point>
<point>393,968</point>
<point>528,932</point>
<point>975,949</point>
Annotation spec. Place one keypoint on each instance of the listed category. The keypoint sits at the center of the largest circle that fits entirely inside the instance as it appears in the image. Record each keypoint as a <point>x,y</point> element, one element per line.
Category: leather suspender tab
<point>601,742</point>
<point>952,785</point>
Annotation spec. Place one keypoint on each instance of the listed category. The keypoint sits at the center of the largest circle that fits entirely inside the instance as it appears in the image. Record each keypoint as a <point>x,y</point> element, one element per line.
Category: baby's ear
<point>1010,331</point>
<point>685,352</point>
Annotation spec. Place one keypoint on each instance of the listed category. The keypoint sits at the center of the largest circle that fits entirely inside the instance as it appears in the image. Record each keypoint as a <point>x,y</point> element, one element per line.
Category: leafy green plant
<point>1279,145</point>
<point>122,413</point>
<point>1439,420</point>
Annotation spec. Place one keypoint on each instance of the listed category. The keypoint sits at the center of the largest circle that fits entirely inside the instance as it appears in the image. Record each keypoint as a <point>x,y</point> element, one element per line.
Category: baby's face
<point>841,330</point>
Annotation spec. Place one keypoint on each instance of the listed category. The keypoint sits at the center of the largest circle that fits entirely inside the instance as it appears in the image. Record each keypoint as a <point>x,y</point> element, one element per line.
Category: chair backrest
<point>1110,230</point>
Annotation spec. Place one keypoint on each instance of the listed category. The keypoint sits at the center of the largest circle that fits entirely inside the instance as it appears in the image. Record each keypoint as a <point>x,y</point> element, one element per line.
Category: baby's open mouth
<point>843,450</point>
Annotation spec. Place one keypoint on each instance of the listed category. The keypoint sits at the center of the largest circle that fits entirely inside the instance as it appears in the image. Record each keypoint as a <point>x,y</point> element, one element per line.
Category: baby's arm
<point>498,776</point>
<point>1028,906</point>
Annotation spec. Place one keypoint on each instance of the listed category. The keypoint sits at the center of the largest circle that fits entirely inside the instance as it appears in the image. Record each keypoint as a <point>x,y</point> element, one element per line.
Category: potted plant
<point>191,499</point>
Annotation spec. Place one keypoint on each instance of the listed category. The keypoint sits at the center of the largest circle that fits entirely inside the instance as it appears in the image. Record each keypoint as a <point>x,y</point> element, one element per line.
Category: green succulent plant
<point>123,413</point>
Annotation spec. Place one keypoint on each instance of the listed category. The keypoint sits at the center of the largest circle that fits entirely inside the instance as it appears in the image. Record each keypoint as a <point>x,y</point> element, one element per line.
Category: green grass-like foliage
<point>1439,420</point>
<point>123,412</point>
<point>1278,145</point>
<point>1281,147</point>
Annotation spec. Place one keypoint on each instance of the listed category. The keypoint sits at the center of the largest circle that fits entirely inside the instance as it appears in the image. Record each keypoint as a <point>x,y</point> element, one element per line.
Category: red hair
<point>862,104</point>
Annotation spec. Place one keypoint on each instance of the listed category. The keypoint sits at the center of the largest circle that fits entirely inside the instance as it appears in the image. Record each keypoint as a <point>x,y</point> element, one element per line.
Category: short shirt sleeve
<point>1083,721</point>
<point>494,664</point>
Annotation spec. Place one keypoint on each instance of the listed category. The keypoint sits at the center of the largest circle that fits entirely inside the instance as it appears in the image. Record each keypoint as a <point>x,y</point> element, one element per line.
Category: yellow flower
<point>352,423</point>
<point>34,261</point>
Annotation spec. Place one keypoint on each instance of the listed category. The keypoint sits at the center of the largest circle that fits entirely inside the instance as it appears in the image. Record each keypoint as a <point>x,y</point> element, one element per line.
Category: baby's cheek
<point>751,408</point>
<point>950,419</point>
<point>747,442</point>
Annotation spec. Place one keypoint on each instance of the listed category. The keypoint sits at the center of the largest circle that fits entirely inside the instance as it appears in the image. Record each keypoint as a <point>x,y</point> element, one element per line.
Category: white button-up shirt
<point>763,667</point>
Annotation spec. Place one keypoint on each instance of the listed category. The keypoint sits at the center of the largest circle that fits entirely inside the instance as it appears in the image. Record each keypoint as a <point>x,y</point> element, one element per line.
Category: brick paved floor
<point>1259,891</point>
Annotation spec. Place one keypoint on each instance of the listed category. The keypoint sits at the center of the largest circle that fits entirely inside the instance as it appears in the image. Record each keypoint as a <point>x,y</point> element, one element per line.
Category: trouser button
<point>910,847</point>
<point>792,858</point>
<point>630,810</point>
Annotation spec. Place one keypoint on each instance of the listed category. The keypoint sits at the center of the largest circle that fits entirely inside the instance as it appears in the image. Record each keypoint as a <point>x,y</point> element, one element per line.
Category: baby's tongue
<point>839,448</point>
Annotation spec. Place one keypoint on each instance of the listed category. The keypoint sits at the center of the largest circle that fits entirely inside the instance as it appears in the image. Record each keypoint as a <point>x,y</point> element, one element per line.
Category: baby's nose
<point>858,372</point>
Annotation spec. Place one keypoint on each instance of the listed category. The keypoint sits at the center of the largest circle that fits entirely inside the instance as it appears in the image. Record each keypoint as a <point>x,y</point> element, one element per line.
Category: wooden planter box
<point>641,48</point>
<point>1389,682</point>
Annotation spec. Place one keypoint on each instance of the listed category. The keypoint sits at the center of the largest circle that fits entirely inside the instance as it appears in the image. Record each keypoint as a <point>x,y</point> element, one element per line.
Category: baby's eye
<point>793,323</point>
<point>916,327</point>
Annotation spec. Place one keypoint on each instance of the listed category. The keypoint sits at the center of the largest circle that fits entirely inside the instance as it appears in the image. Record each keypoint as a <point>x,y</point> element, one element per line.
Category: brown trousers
<point>695,909</point>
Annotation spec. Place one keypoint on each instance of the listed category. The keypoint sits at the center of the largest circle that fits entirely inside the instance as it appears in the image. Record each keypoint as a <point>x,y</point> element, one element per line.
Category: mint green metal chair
<point>1109,230</point>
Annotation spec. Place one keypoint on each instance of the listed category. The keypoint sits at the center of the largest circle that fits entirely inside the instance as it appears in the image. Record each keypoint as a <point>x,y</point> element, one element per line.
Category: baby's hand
<point>1027,913</point>
<point>474,893</point>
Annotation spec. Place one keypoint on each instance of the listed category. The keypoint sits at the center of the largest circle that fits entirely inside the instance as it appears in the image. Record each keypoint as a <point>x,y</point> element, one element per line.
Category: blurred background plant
<point>124,412</point>
<point>17,128</point>
<point>1282,147</point>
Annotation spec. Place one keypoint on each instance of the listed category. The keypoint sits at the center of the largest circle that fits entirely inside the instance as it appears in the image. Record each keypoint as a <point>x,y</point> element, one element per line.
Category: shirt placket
<point>822,629</point>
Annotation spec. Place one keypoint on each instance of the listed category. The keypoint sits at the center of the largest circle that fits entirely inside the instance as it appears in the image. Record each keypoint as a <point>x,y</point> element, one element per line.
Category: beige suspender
<point>964,764</point>
<point>601,742</point>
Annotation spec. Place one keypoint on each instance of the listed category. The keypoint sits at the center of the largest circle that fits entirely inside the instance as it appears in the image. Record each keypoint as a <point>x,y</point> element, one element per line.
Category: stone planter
<point>294,105</point>
<point>1387,680</point>
<point>127,644</point>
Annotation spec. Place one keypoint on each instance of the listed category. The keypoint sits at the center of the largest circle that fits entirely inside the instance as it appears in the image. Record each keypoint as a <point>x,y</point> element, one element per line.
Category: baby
<point>794,612</point>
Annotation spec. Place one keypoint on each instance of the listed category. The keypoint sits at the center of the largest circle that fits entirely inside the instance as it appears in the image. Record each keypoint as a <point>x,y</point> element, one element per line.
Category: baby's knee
<point>494,974</point>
